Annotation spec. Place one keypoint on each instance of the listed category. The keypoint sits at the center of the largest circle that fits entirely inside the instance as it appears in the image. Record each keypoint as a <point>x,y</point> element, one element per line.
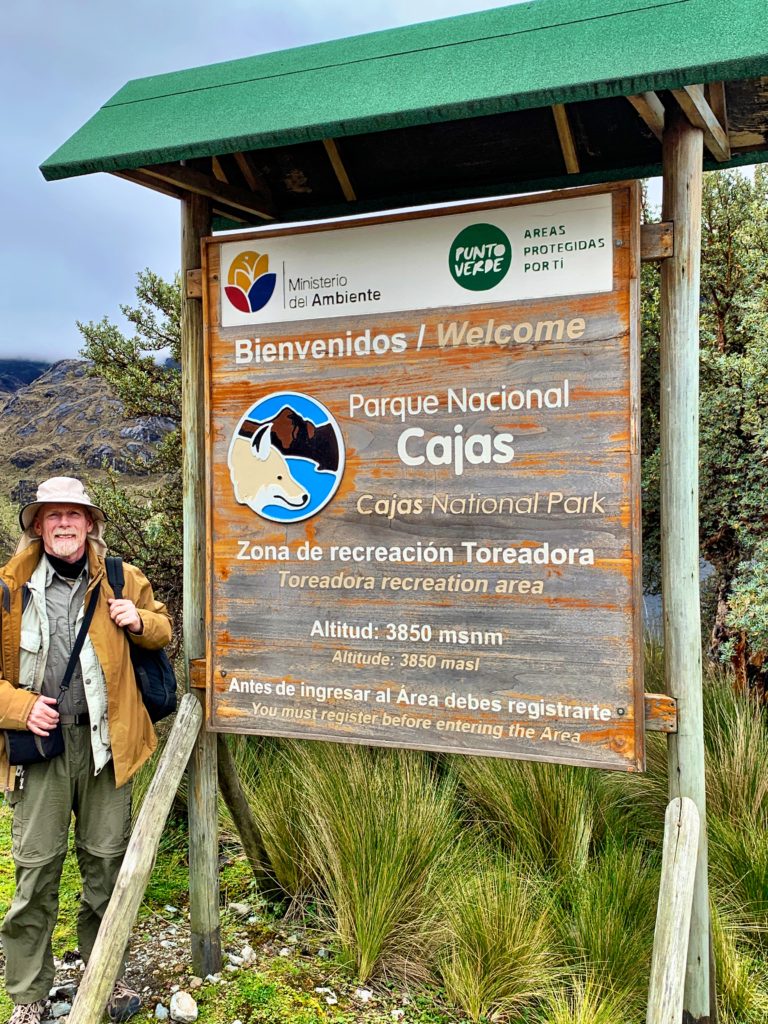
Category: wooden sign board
<point>423,500</point>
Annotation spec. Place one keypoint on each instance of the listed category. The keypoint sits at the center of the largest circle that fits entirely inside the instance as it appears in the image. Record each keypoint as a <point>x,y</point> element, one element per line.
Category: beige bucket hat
<point>61,490</point>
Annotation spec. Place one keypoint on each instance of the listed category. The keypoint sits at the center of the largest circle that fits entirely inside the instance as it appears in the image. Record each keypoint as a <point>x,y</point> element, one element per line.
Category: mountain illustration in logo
<point>286,457</point>
<point>249,283</point>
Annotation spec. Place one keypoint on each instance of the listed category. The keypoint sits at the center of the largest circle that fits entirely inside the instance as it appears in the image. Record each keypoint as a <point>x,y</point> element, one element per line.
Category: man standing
<point>44,591</point>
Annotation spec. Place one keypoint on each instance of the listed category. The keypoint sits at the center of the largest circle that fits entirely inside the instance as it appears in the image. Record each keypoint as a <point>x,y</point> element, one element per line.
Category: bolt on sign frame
<point>423,480</point>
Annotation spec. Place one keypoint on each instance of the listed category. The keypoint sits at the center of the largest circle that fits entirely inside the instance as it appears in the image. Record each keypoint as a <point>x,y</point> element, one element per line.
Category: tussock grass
<point>742,976</point>
<point>495,876</point>
<point>588,1000</point>
<point>736,740</point>
<point>738,858</point>
<point>606,916</point>
<point>380,828</point>
<point>547,814</point>
<point>272,776</point>
<point>496,953</point>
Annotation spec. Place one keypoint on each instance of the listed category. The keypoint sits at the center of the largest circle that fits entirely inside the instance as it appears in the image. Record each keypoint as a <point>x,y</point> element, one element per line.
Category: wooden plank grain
<point>520,637</point>
<point>673,918</point>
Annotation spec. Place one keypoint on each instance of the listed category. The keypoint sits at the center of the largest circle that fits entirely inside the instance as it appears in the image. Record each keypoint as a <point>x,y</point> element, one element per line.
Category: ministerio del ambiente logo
<point>249,283</point>
<point>480,257</point>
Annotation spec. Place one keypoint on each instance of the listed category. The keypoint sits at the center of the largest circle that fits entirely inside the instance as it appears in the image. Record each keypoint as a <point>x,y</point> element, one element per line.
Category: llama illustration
<point>260,473</point>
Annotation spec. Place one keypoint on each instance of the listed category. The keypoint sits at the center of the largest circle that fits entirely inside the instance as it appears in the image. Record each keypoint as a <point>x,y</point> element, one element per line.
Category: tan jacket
<point>131,734</point>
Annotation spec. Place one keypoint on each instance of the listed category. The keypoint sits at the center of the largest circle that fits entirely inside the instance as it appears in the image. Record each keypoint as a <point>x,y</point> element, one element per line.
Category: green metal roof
<point>526,55</point>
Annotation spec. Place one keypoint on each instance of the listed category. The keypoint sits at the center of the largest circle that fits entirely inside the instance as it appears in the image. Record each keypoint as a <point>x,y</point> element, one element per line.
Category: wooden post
<point>242,816</point>
<point>202,798</point>
<point>107,956</point>
<point>673,917</point>
<point>682,162</point>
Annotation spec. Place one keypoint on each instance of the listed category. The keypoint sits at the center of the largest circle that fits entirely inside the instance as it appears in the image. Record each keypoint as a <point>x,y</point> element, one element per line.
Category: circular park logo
<point>286,457</point>
<point>480,257</point>
<point>249,283</point>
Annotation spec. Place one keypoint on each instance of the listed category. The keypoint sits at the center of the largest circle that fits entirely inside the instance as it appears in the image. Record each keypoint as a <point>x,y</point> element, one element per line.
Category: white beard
<point>64,547</point>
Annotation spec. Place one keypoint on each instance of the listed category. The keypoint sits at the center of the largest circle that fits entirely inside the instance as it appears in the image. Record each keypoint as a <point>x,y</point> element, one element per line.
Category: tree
<point>145,526</point>
<point>733,524</point>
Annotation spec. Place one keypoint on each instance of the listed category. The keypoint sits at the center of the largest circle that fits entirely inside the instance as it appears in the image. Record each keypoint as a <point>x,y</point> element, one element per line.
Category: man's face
<point>64,529</point>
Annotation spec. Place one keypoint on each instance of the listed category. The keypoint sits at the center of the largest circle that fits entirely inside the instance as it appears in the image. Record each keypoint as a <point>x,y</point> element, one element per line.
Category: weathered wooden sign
<point>423,498</point>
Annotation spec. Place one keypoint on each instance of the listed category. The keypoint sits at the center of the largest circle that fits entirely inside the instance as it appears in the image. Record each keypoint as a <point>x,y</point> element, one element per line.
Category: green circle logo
<point>480,257</point>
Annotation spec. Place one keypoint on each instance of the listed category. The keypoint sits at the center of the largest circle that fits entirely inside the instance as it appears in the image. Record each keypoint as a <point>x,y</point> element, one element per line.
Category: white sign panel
<point>502,255</point>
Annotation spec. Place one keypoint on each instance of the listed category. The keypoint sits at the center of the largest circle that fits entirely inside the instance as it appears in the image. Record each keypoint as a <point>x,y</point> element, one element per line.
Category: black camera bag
<point>154,673</point>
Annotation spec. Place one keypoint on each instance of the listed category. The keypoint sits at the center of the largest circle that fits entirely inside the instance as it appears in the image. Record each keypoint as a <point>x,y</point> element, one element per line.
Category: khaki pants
<point>42,813</point>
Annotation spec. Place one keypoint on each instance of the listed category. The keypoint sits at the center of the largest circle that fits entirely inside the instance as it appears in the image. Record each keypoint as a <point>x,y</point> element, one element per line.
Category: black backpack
<point>153,670</point>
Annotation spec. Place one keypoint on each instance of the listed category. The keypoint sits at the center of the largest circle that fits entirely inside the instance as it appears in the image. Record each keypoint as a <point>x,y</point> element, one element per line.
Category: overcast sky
<point>71,249</point>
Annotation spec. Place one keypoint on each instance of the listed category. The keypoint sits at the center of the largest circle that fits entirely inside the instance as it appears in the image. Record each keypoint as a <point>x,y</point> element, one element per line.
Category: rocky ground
<point>160,970</point>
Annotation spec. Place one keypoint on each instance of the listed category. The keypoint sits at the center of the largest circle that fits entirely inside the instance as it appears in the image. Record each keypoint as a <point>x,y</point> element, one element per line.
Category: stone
<point>195,982</point>
<point>247,954</point>
<point>363,995</point>
<point>65,992</point>
<point>169,909</point>
<point>240,909</point>
<point>232,968</point>
<point>161,1012</point>
<point>323,953</point>
<point>285,951</point>
<point>60,1009</point>
<point>183,1008</point>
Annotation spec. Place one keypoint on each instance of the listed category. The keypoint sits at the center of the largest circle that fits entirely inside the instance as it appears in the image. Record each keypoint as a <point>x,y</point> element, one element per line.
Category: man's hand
<point>42,718</point>
<point>124,614</point>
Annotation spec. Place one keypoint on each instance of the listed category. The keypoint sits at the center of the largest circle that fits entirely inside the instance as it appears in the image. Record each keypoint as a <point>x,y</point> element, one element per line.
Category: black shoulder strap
<point>26,593</point>
<point>80,640</point>
<point>115,574</point>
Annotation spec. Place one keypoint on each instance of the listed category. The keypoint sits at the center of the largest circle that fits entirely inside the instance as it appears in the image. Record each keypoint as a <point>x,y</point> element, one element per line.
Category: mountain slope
<point>67,423</point>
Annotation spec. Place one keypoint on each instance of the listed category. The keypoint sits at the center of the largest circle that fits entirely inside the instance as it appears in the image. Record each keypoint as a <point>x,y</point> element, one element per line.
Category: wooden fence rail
<point>673,917</point>
<point>107,956</point>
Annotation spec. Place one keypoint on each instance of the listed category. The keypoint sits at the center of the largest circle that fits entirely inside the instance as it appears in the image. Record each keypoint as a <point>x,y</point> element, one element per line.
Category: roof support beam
<point>715,94</point>
<point>253,177</point>
<point>565,135</point>
<point>695,107</point>
<point>220,209</point>
<point>201,184</point>
<point>651,110</point>
<point>339,169</point>
<point>218,171</point>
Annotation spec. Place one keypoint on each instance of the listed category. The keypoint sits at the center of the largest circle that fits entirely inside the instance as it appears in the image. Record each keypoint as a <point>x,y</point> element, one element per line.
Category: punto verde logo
<point>480,257</point>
